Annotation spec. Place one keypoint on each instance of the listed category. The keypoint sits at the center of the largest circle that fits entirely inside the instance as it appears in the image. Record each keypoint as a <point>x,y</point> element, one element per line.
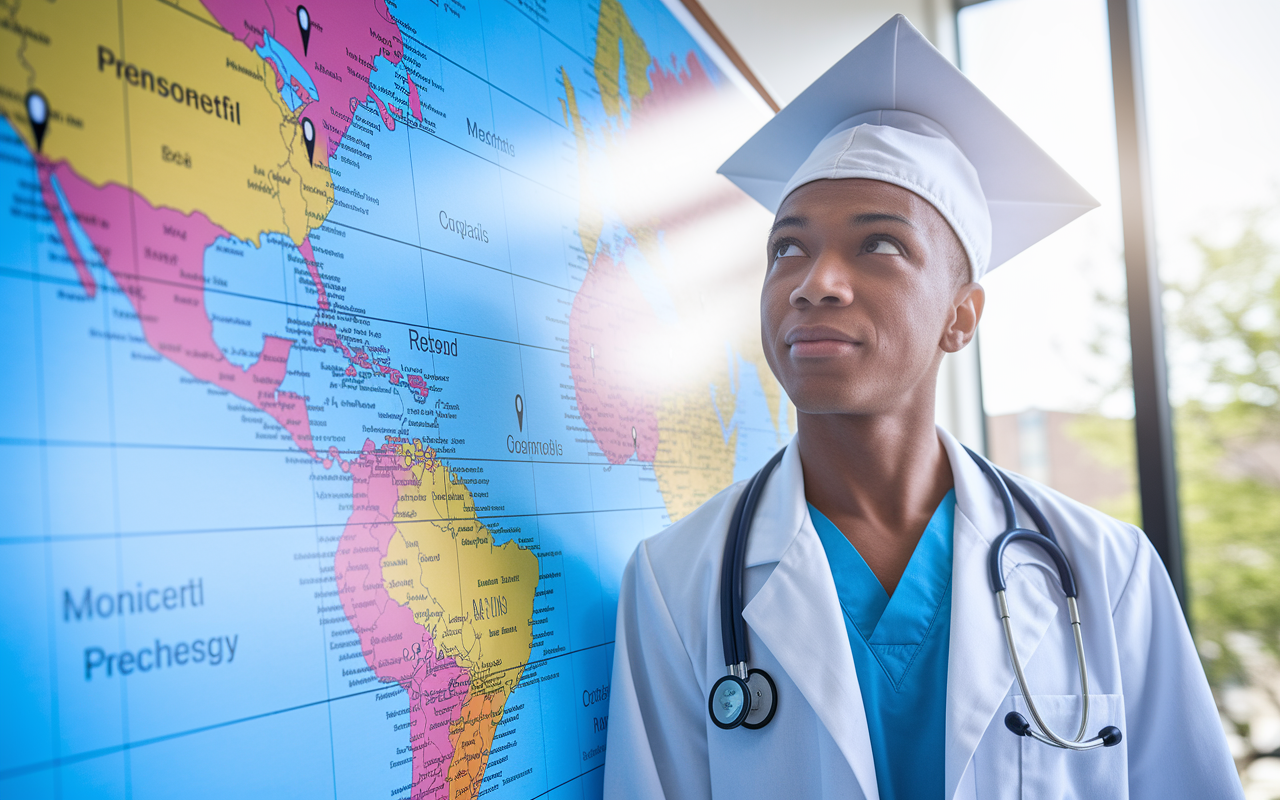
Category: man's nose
<point>828,282</point>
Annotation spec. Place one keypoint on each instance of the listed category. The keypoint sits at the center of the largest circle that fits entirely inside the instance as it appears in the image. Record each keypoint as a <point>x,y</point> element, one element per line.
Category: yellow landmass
<point>694,460</point>
<point>590,220</point>
<point>193,7</point>
<point>475,598</point>
<point>241,163</point>
<point>619,47</point>
<point>687,294</point>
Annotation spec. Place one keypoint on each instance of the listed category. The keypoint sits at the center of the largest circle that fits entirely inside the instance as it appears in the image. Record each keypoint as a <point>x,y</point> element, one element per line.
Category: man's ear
<point>967,310</point>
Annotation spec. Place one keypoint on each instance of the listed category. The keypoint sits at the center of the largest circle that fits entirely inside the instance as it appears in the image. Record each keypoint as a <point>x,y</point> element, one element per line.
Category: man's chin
<point>831,400</point>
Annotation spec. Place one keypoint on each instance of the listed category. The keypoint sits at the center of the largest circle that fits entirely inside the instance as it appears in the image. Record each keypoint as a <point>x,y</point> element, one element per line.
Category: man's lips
<point>819,341</point>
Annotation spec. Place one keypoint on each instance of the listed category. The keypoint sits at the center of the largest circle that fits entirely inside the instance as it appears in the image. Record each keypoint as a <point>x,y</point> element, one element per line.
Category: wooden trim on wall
<point>713,30</point>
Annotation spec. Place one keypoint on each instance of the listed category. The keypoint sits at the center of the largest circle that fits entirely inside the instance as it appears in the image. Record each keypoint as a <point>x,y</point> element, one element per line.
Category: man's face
<point>867,287</point>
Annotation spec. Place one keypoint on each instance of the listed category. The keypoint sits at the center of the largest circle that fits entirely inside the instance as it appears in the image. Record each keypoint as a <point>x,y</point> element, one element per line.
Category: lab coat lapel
<point>979,672</point>
<point>796,614</point>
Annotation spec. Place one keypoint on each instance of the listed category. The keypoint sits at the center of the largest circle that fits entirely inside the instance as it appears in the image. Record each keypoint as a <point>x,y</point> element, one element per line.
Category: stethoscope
<point>748,697</point>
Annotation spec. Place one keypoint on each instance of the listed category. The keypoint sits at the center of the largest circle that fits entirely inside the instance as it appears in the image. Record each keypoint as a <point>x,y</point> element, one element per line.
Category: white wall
<point>788,45</point>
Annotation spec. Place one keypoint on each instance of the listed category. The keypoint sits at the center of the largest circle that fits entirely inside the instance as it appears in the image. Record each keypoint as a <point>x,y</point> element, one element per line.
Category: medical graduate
<point>881,613</point>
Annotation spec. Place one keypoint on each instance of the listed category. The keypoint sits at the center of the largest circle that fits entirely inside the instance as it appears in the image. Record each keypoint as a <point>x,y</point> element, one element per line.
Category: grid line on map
<point>89,755</point>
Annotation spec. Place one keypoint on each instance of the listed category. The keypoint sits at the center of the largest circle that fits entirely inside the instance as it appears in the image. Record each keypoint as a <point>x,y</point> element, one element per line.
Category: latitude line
<point>89,755</point>
<point>337,314</point>
<point>571,780</point>
<point>6,441</point>
<point>74,537</point>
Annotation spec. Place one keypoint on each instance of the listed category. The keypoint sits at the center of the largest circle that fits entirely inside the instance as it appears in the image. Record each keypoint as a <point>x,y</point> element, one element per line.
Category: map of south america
<point>440,609</point>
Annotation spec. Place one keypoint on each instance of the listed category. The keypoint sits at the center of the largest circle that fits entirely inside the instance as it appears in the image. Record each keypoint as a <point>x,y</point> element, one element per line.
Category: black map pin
<point>520,412</point>
<point>304,25</point>
<point>309,136</point>
<point>38,115</point>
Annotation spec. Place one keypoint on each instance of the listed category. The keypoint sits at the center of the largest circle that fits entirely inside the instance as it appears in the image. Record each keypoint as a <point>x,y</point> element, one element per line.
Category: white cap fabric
<point>913,152</point>
<point>895,110</point>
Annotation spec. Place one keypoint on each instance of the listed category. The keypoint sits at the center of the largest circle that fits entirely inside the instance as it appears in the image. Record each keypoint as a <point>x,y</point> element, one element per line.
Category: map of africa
<point>350,350</point>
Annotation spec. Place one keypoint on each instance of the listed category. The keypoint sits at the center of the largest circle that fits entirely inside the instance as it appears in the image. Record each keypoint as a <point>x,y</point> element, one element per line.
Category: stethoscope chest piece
<point>750,703</point>
<point>764,699</point>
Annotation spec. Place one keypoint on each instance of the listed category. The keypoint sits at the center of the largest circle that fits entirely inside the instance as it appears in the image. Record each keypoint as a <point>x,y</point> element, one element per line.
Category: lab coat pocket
<point>997,763</point>
<point>1052,773</point>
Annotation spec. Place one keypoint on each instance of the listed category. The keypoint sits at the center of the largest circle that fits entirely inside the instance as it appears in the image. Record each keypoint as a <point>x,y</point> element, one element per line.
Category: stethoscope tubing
<point>1046,541</point>
<point>734,632</point>
<point>732,624</point>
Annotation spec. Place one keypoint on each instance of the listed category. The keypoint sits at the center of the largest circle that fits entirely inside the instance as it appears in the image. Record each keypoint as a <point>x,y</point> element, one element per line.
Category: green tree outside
<point>1228,448</point>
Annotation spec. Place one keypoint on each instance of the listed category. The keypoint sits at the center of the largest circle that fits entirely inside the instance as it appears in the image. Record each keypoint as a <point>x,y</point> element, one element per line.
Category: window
<point>1212,113</point>
<point>1054,336</point>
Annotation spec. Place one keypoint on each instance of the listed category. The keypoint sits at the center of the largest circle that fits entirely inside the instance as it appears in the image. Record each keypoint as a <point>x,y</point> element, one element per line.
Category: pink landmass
<point>275,69</point>
<point>669,90</point>
<point>64,230</point>
<point>387,119</point>
<point>415,104</point>
<point>314,268</point>
<point>611,326</point>
<point>327,336</point>
<point>341,32</point>
<point>162,274</point>
<point>418,386</point>
<point>398,648</point>
<point>302,93</point>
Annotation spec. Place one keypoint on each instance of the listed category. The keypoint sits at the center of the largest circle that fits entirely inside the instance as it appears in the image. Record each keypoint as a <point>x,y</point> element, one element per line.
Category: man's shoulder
<point>691,549</point>
<point>1088,536</point>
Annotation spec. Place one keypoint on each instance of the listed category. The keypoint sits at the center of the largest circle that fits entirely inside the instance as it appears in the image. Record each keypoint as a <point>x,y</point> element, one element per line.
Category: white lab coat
<point>1144,675</point>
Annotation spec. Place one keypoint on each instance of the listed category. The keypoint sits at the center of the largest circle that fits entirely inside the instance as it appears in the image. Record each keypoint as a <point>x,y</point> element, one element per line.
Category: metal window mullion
<point>1153,418</point>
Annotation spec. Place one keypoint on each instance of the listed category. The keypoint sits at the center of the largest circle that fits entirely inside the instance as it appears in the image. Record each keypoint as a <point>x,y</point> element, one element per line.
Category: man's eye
<point>788,250</point>
<point>882,247</point>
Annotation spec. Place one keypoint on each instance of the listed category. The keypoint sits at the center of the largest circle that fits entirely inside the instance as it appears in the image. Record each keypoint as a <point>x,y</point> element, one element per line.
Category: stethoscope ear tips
<point>1019,725</point>
<point>1109,736</point>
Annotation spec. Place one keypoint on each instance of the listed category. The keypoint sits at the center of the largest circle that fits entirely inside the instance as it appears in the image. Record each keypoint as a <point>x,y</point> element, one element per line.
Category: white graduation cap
<point>894,109</point>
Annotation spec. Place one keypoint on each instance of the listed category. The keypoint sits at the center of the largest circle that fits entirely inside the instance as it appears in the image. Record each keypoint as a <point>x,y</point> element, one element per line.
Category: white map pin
<point>38,114</point>
<point>304,25</point>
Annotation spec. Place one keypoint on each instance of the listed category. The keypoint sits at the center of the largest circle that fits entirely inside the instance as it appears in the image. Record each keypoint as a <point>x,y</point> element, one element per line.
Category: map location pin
<point>38,115</point>
<point>304,25</point>
<point>635,440</point>
<point>309,136</point>
<point>520,412</point>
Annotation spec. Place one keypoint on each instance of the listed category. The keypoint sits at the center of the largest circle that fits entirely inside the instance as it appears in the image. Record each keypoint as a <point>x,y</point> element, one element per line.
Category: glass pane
<point>1054,338</point>
<point>1213,113</point>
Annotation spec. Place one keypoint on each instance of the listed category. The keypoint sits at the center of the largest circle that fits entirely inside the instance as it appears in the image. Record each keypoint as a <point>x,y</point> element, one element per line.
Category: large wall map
<point>350,349</point>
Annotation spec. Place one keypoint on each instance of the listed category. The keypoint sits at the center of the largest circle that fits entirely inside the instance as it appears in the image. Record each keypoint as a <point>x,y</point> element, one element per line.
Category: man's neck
<point>879,478</point>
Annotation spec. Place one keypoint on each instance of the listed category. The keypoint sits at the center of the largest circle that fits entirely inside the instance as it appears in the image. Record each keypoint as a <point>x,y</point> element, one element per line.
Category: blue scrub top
<point>899,648</point>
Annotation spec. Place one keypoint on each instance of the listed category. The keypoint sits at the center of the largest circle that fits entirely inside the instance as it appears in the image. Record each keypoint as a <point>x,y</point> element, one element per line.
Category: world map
<point>351,349</point>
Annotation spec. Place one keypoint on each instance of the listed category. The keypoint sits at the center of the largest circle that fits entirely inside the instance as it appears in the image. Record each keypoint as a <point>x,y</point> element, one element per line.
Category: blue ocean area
<point>290,70</point>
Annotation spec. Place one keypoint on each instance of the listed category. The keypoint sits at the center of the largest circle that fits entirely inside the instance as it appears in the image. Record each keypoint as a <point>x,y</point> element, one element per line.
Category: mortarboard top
<point>1027,194</point>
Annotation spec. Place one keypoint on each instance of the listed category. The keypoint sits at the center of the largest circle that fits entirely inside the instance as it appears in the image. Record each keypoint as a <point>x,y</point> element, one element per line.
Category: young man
<point>866,590</point>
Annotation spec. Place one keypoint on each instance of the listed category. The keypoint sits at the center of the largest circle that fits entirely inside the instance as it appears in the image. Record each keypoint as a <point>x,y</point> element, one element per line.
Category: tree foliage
<point>1230,315</point>
<point>1224,327</point>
